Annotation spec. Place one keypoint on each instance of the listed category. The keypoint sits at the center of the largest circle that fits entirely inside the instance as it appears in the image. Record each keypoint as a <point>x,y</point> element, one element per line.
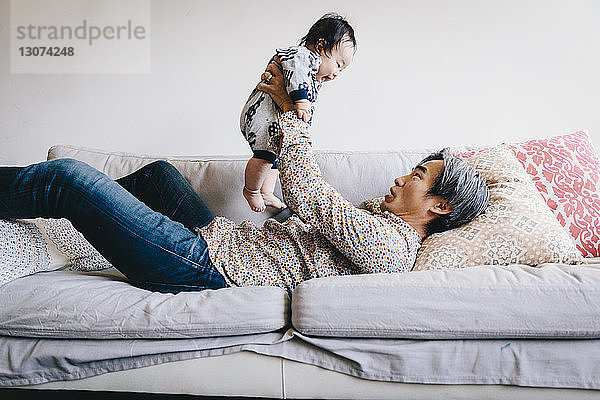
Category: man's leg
<point>162,188</point>
<point>148,247</point>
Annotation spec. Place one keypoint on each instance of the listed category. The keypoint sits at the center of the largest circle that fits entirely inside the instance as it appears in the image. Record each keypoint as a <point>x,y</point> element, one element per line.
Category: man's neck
<point>419,227</point>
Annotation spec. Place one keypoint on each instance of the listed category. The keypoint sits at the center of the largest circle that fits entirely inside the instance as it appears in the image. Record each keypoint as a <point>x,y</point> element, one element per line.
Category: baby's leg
<point>257,171</point>
<point>267,189</point>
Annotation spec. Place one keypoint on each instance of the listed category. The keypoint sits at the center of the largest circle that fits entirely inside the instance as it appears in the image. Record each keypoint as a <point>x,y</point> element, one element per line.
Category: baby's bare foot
<point>254,199</point>
<point>271,200</point>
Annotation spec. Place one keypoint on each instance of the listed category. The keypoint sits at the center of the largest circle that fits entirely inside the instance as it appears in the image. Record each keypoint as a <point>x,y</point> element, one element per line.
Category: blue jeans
<point>142,223</point>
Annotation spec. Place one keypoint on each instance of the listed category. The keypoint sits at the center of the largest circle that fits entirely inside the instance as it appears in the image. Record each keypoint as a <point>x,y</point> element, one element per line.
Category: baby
<point>323,53</point>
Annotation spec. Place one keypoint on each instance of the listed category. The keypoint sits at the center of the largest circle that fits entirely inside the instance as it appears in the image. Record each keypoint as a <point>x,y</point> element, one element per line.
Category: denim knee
<point>162,167</point>
<point>66,163</point>
<point>70,166</point>
<point>71,172</point>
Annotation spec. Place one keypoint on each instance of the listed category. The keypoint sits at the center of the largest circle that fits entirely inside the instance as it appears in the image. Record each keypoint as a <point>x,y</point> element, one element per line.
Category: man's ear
<point>441,207</point>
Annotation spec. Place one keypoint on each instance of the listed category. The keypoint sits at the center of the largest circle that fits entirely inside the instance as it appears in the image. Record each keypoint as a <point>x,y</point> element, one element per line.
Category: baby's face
<point>331,65</point>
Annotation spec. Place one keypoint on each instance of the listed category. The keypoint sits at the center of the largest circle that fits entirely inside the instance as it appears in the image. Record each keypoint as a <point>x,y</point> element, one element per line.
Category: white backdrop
<point>427,73</point>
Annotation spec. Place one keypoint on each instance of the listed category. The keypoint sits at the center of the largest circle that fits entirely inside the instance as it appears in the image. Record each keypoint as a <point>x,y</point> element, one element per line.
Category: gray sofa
<point>481,332</point>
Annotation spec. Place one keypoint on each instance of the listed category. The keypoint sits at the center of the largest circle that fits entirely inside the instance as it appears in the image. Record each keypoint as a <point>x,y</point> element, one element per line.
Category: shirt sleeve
<point>371,243</point>
<point>298,67</point>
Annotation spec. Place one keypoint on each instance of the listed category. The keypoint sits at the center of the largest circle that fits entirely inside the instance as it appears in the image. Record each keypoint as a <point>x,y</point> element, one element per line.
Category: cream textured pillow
<point>516,228</point>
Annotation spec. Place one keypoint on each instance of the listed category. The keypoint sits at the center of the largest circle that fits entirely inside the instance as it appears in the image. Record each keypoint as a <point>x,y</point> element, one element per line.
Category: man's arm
<point>370,243</point>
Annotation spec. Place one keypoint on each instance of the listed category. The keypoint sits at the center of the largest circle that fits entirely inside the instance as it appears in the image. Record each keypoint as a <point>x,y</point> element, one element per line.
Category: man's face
<point>408,197</point>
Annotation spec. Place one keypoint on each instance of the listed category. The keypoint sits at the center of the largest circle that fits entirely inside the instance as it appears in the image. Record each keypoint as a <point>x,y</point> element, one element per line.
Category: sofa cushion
<point>218,180</point>
<point>516,228</point>
<point>102,305</point>
<point>358,176</point>
<point>516,301</point>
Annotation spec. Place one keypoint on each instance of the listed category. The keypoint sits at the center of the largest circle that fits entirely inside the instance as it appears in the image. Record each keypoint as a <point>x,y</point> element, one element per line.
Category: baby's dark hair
<point>333,29</point>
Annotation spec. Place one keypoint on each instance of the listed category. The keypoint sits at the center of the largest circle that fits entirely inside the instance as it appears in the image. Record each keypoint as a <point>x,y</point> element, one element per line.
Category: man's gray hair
<point>460,185</point>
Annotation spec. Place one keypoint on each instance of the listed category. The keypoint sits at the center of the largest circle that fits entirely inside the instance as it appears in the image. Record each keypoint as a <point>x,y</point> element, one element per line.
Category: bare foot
<point>254,199</point>
<point>271,200</point>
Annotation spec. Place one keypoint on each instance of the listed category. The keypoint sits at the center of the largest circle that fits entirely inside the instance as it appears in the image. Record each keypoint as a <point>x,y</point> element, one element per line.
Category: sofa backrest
<point>358,176</point>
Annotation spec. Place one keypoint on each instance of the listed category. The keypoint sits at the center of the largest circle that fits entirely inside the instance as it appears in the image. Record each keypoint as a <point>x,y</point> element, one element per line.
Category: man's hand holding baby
<point>275,86</point>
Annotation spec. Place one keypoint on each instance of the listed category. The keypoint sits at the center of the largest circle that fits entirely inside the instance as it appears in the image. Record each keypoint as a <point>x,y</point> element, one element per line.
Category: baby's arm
<point>297,67</point>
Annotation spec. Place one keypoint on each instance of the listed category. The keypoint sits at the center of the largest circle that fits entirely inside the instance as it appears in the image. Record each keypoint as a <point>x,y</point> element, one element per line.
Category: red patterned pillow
<point>566,171</point>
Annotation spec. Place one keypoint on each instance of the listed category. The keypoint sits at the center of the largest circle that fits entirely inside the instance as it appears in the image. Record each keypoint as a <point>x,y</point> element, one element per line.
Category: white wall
<point>426,74</point>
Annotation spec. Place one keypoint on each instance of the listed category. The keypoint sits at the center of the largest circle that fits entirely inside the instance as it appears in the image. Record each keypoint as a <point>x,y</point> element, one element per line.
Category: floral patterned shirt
<point>326,236</point>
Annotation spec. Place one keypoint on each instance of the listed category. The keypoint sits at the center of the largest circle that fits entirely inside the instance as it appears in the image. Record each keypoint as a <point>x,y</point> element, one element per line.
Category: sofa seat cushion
<point>515,301</point>
<point>102,305</point>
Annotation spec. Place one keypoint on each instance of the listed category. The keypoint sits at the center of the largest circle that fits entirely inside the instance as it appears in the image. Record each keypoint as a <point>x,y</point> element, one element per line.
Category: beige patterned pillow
<point>34,245</point>
<point>516,228</point>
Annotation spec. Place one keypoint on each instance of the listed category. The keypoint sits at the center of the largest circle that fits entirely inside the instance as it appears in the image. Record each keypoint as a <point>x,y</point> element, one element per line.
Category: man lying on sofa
<point>157,231</point>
